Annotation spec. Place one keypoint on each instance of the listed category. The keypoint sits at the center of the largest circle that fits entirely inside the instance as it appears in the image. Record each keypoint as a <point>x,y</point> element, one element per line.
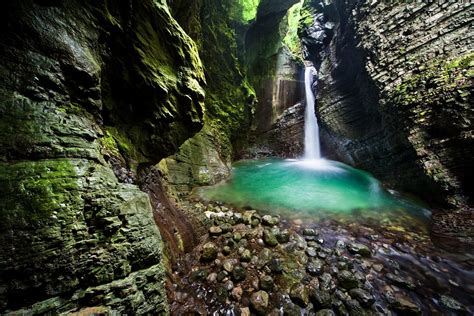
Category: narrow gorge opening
<point>236,157</point>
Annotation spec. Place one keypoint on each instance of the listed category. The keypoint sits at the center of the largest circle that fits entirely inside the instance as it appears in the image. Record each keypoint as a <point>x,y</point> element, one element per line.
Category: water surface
<point>308,187</point>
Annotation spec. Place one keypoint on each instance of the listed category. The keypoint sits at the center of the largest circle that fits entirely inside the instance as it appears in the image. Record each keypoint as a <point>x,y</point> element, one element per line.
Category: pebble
<point>315,267</point>
<point>405,306</point>
<point>283,236</point>
<point>299,294</point>
<point>276,265</point>
<point>246,256</point>
<point>229,264</point>
<point>229,285</point>
<point>269,220</point>
<point>361,249</point>
<point>215,231</point>
<point>212,277</point>
<point>325,282</point>
<point>237,293</point>
<point>365,298</point>
<point>209,252</point>
<point>266,283</point>
<point>310,232</point>
<point>320,299</point>
<point>269,238</point>
<point>311,252</point>
<point>400,281</point>
<point>245,311</point>
<point>325,312</point>
<point>259,301</point>
<point>239,273</point>
<point>347,280</point>
<point>451,303</point>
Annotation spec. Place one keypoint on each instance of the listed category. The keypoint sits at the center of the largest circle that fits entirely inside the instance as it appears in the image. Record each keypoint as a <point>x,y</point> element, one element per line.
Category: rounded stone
<point>347,280</point>
<point>266,283</point>
<point>259,301</point>
<point>239,273</point>
<point>209,252</point>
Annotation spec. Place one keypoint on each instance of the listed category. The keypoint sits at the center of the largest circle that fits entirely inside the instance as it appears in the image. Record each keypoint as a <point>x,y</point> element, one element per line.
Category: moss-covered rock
<point>88,89</point>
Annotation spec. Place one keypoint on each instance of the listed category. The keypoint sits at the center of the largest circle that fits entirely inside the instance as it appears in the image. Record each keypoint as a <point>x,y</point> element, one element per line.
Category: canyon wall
<point>395,96</point>
<point>91,94</point>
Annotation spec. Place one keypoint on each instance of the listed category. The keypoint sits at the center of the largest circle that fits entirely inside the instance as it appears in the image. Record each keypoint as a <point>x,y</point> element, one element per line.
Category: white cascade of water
<point>311,129</point>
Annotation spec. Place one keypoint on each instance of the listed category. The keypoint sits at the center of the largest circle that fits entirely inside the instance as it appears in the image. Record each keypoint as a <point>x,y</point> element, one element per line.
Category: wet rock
<point>325,312</point>
<point>246,256</point>
<point>245,311</point>
<point>255,222</point>
<point>229,285</point>
<point>354,308</point>
<point>320,299</point>
<point>199,275</point>
<point>221,294</point>
<point>266,283</point>
<point>256,283</point>
<point>264,257</point>
<point>299,294</point>
<point>239,273</point>
<point>269,238</point>
<point>340,244</point>
<point>325,282</point>
<point>215,231</point>
<point>209,252</point>
<point>222,275</point>
<point>269,220</point>
<point>342,265</point>
<point>347,280</point>
<point>229,264</point>
<point>340,308</point>
<point>230,243</point>
<point>226,228</point>
<point>275,265</point>
<point>315,267</point>
<point>310,232</point>
<point>311,252</point>
<point>211,278</point>
<point>259,301</point>
<point>291,309</point>
<point>365,298</point>
<point>361,249</point>
<point>237,237</point>
<point>237,293</point>
<point>400,281</point>
<point>405,306</point>
<point>226,250</point>
<point>283,236</point>
<point>377,267</point>
<point>450,303</point>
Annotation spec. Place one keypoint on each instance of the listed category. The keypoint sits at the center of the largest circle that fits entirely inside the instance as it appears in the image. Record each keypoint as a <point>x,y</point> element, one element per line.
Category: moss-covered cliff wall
<point>395,94</point>
<point>90,94</point>
<point>218,27</point>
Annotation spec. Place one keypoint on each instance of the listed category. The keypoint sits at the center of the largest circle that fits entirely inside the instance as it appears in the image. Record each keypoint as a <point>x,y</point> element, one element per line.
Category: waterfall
<point>311,129</point>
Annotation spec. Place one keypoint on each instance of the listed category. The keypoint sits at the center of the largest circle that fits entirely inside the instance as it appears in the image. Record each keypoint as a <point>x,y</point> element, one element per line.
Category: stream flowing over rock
<point>113,113</point>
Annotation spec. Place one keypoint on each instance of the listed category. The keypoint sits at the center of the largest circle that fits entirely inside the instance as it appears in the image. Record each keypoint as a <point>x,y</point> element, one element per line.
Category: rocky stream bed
<point>250,263</point>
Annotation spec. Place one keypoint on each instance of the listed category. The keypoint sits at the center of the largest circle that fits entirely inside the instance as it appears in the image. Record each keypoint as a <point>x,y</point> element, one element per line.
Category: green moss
<point>445,80</point>
<point>34,191</point>
<point>292,39</point>
<point>243,11</point>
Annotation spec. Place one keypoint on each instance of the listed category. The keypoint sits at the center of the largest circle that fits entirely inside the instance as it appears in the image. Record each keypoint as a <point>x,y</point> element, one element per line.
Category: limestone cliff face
<point>218,27</point>
<point>395,93</point>
<point>276,71</point>
<point>86,89</point>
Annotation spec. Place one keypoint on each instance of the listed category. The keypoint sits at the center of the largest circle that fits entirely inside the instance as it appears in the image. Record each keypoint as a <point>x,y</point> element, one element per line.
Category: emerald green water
<point>316,187</point>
